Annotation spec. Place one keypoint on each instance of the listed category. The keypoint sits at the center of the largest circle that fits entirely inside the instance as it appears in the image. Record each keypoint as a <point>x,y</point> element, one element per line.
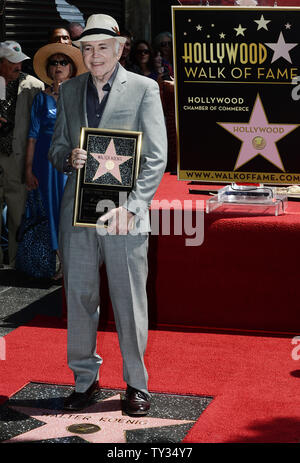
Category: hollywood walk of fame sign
<point>109,173</point>
<point>237,108</point>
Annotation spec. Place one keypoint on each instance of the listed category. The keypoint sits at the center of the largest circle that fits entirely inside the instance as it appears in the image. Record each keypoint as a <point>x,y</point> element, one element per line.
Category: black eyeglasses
<point>165,44</point>
<point>143,52</point>
<point>63,62</point>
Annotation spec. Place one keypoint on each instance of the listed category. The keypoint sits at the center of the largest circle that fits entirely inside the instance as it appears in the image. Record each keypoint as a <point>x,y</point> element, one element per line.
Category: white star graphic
<point>288,26</point>
<point>281,49</point>
<point>199,28</point>
<point>107,415</point>
<point>222,35</point>
<point>262,23</point>
<point>240,30</point>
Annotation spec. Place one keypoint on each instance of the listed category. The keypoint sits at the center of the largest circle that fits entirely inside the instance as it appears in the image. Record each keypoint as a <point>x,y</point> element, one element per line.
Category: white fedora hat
<point>100,27</point>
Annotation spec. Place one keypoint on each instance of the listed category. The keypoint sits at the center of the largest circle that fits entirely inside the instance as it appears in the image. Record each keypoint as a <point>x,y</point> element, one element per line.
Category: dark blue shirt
<point>94,107</point>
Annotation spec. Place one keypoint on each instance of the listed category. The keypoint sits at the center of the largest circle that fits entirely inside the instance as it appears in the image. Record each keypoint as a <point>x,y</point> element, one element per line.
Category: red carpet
<point>254,380</point>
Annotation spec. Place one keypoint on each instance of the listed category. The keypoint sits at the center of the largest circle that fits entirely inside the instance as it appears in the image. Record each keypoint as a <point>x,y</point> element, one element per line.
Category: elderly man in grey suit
<point>15,107</point>
<point>108,97</point>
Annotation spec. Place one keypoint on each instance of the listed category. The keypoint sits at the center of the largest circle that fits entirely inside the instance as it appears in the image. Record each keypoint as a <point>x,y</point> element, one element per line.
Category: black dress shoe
<point>136,403</point>
<point>79,400</point>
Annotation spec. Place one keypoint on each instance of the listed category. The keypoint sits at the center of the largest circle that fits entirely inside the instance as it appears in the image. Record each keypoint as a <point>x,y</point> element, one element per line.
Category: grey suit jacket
<point>133,104</point>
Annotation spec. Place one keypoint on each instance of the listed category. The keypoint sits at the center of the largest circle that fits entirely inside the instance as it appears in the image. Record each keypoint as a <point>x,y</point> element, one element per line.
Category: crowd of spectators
<point>38,114</point>
<point>152,60</point>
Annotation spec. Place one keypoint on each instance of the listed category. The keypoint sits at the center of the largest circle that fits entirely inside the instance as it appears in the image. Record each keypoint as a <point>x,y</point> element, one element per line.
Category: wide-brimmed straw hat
<point>100,27</point>
<point>41,57</point>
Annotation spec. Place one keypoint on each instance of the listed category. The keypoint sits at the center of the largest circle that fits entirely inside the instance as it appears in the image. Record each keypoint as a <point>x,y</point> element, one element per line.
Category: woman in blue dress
<point>53,63</point>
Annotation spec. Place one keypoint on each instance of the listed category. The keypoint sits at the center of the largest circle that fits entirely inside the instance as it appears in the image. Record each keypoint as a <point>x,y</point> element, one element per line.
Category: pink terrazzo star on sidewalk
<point>106,414</point>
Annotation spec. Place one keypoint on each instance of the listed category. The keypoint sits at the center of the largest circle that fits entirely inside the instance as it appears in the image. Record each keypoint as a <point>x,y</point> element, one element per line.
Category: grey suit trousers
<point>125,257</point>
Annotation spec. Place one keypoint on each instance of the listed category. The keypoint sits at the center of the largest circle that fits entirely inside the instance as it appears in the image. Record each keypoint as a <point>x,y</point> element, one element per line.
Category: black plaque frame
<point>99,179</point>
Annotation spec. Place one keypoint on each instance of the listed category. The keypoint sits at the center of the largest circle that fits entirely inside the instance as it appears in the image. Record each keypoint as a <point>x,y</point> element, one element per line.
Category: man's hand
<point>120,221</point>
<point>78,158</point>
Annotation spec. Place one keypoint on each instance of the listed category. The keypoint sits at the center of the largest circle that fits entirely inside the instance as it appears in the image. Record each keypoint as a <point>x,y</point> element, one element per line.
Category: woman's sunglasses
<point>63,62</point>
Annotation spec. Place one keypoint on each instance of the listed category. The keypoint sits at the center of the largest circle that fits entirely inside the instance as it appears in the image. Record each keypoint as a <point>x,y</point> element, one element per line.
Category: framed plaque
<point>109,174</point>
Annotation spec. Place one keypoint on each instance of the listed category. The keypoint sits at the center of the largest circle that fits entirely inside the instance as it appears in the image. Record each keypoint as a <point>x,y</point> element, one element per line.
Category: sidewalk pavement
<point>22,298</point>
